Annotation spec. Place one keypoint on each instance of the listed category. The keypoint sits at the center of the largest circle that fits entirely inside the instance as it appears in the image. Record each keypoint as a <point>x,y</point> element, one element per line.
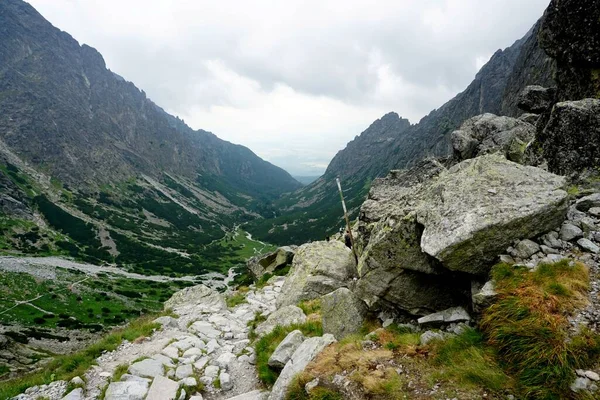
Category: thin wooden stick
<point>339,185</point>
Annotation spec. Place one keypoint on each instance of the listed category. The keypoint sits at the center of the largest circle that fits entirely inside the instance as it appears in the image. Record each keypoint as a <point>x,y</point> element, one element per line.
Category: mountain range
<point>314,211</point>
<point>92,168</point>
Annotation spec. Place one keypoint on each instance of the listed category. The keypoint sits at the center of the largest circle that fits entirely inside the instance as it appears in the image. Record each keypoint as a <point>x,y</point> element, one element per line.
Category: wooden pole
<point>348,229</point>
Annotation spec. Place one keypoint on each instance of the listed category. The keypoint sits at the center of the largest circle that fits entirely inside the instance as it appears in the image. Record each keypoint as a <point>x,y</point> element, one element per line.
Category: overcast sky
<point>295,80</point>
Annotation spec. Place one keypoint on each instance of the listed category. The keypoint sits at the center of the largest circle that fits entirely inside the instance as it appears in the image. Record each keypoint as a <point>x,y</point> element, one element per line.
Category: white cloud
<point>295,80</point>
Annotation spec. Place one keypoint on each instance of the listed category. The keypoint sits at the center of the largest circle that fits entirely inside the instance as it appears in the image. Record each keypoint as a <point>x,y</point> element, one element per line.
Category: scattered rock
<point>286,348</point>
<point>580,384</point>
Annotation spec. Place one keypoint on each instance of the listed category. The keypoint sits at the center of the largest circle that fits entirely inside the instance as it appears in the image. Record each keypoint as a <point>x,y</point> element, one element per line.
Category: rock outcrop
<point>419,225</point>
<point>536,99</point>
<point>571,138</point>
<point>489,133</point>
<point>318,268</point>
<point>570,33</point>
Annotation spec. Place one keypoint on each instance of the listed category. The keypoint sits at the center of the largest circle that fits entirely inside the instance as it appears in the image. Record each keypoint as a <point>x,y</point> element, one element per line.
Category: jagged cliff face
<point>390,143</point>
<point>61,108</point>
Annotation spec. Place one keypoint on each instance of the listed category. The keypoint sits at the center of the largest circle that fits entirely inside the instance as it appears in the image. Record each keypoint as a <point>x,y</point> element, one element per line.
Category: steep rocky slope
<point>92,168</point>
<point>390,143</point>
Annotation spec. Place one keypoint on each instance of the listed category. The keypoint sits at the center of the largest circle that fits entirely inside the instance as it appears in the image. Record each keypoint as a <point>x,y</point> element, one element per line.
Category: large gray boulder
<point>489,133</point>
<point>536,99</point>
<point>571,138</point>
<point>419,225</point>
<point>318,268</point>
<point>476,209</point>
<point>343,313</point>
<point>303,355</point>
<point>285,316</point>
<point>260,265</point>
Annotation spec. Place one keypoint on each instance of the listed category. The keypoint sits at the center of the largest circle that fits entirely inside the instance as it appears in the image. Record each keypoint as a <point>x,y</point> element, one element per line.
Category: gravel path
<point>208,343</point>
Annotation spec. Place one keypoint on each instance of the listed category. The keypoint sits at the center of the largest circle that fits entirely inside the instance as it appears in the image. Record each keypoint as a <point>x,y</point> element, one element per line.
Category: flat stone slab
<point>130,390</point>
<point>163,389</point>
<point>148,368</point>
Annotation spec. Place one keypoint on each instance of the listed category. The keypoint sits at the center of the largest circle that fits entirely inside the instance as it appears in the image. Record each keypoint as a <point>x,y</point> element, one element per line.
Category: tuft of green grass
<point>296,391</point>
<point>235,300</point>
<point>119,372</point>
<point>66,367</point>
<point>266,345</point>
<point>311,306</point>
<point>258,318</point>
<point>467,360</point>
<point>528,327</point>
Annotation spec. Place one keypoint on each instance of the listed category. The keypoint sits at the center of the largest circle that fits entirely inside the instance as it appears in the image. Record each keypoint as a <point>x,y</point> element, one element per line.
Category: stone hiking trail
<point>207,343</point>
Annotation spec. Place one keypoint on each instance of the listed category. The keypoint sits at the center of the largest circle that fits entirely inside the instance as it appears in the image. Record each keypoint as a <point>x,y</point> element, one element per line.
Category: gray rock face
<point>571,138</point>
<point>570,33</point>
<point>449,316</point>
<point>130,390</point>
<point>417,225</point>
<point>260,265</point>
<point>343,313</point>
<point>303,355</point>
<point>163,389</point>
<point>536,99</point>
<point>283,353</point>
<point>318,268</point>
<point>284,316</point>
<point>489,133</point>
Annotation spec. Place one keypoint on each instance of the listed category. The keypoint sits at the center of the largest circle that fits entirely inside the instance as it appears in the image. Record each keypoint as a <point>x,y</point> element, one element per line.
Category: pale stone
<point>129,390</point>
<point>163,389</point>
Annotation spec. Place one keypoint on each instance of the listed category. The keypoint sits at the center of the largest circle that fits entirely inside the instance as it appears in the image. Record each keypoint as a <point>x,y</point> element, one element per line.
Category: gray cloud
<point>295,80</point>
